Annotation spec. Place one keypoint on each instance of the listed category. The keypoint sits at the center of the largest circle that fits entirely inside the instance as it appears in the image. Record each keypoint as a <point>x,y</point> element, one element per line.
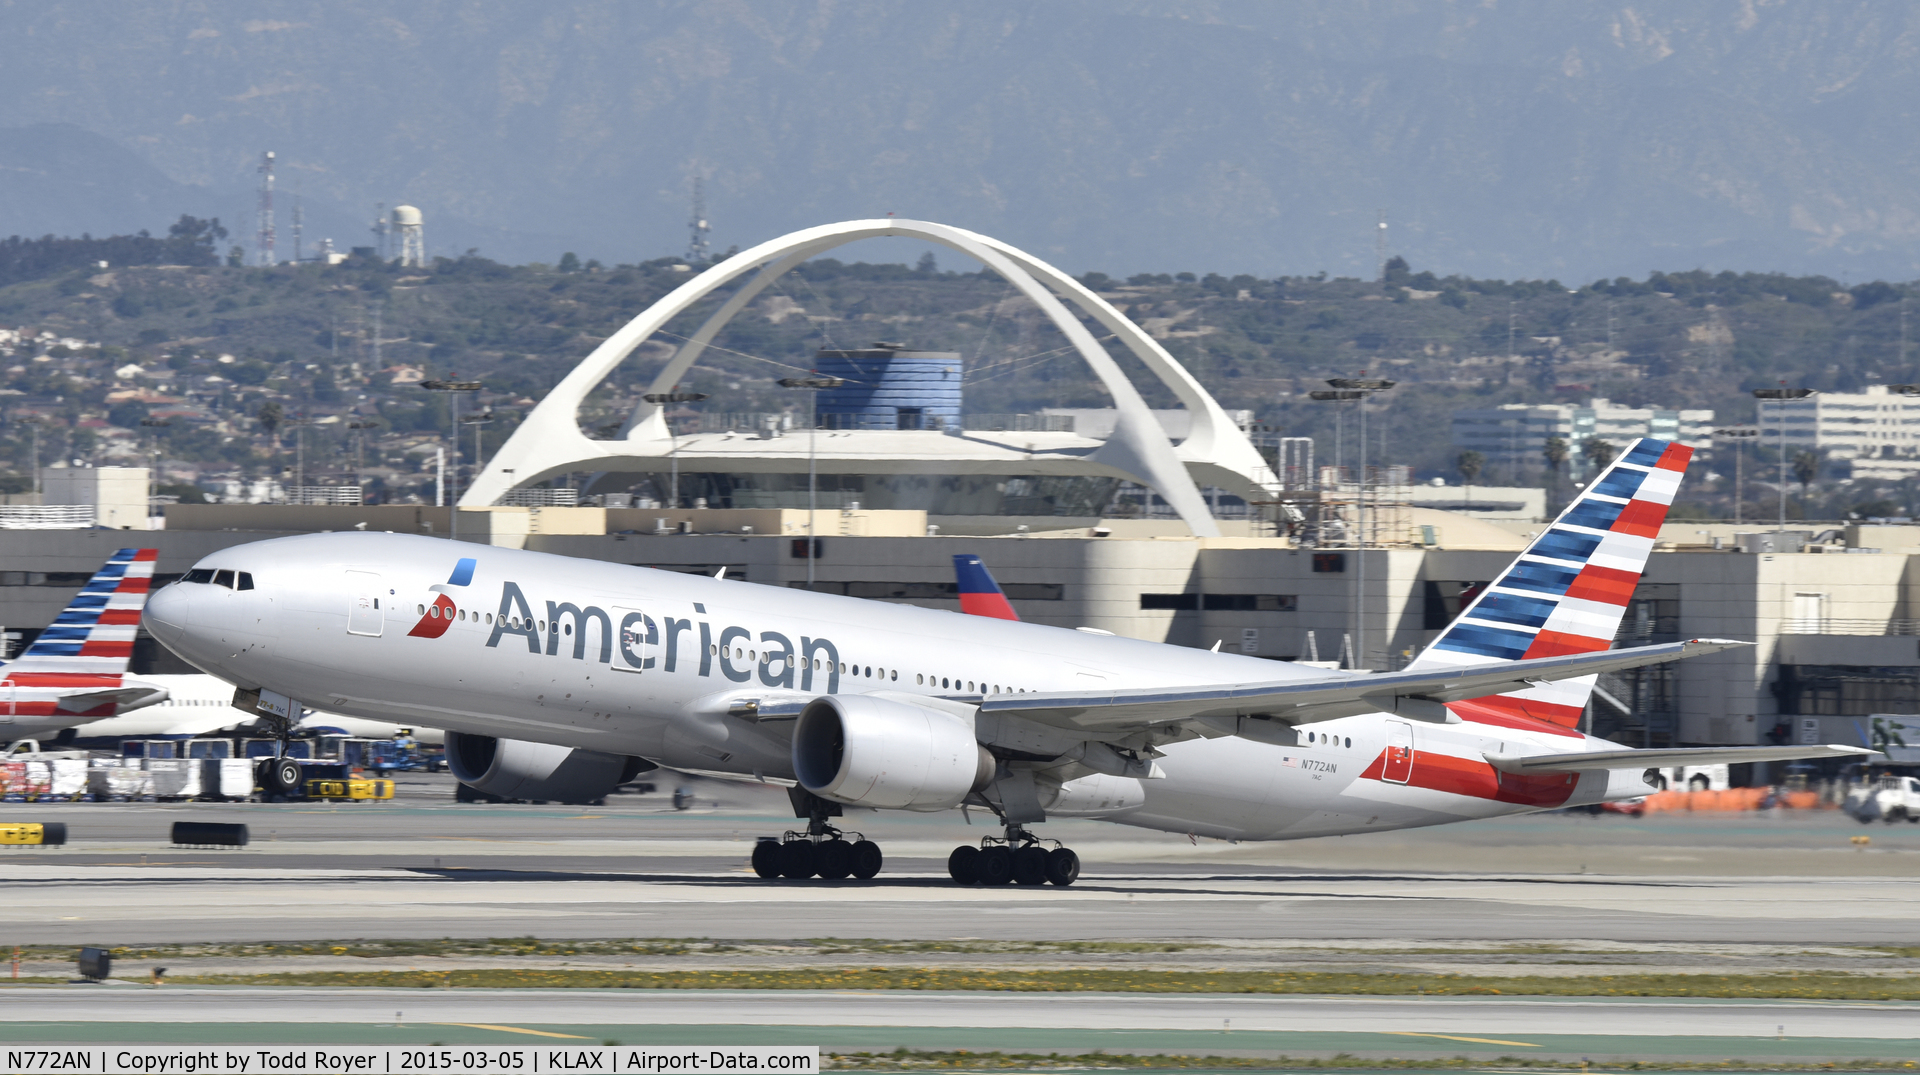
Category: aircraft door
<point>635,634</point>
<point>1398,766</point>
<point>365,616</point>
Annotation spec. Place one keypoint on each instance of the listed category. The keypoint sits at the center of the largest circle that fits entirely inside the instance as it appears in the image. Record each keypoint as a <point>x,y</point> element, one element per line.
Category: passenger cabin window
<point>223,578</point>
<point>198,574</point>
<point>243,580</point>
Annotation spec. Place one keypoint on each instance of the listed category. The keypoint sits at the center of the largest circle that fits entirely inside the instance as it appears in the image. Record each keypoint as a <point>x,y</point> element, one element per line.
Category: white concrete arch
<point>550,441</point>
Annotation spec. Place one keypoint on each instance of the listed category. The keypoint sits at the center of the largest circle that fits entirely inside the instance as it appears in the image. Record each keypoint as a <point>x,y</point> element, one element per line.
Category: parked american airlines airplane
<point>558,676</point>
<point>76,671</point>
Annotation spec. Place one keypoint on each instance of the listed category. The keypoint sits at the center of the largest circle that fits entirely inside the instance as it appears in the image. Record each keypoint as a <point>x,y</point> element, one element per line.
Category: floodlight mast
<point>1739,435</point>
<point>815,385</point>
<point>453,390</point>
<point>1781,396</point>
<point>1357,390</point>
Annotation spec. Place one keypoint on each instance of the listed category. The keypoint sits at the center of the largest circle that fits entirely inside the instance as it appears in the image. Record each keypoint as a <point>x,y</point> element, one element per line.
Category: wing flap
<point>122,699</point>
<point>1646,759</point>
<point>1420,694</point>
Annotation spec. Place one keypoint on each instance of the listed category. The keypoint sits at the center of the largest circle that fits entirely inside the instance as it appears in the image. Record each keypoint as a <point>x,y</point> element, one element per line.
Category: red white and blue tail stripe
<point>1567,591</point>
<point>979,594</point>
<point>95,634</point>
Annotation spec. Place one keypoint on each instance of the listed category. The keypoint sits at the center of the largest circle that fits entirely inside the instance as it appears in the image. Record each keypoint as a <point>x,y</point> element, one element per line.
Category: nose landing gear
<point>1019,857</point>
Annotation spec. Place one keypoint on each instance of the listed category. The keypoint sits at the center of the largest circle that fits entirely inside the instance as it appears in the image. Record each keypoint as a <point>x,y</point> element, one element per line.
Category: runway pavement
<point>422,867</point>
<point>1074,1023</point>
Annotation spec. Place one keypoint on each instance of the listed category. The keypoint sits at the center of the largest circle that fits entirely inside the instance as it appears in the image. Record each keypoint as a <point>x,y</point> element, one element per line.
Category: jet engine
<point>851,748</point>
<point>514,769</point>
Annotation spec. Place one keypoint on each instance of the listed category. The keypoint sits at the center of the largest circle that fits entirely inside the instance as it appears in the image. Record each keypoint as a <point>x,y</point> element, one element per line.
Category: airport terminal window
<point>1846,690</point>
<point>1174,602</point>
<point>1250,602</point>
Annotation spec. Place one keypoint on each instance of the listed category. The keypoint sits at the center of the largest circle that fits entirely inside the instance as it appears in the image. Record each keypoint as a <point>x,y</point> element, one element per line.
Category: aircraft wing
<point>1419,694</point>
<point>1637,759</point>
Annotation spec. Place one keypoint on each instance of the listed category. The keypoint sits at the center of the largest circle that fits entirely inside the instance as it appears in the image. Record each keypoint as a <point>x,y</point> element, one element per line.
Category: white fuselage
<point>200,705</point>
<point>634,661</point>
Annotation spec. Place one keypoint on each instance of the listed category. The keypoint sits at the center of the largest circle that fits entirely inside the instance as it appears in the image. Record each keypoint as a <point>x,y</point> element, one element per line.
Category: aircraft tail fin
<point>979,594</point>
<point>1568,589</point>
<point>95,634</point>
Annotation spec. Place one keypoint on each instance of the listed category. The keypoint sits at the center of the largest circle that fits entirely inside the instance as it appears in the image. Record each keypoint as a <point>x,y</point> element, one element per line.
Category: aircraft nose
<point>165,617</point>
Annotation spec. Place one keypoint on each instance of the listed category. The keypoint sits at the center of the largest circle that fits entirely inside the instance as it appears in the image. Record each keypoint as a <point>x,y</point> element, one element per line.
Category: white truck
<point>1893,797</point>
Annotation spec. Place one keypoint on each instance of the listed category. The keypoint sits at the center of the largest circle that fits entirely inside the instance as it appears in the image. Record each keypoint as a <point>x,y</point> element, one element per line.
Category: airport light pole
<point>1739,435</point>
<point>1357,390</point>
<point>453,390</point>
<point>1781,397</point>
<point>815,385</point>
<point>476,420</point>
<point>360,453</point>
<point>659,399</point>
<point>153,452</point>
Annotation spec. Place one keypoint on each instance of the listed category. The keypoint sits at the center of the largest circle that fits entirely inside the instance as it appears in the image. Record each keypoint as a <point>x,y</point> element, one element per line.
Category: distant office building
<point>1515,434</point>
<point>1878,430</point>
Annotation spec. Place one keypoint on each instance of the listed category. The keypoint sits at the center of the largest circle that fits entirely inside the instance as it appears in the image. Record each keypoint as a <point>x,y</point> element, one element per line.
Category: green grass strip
<point>1784,986</point>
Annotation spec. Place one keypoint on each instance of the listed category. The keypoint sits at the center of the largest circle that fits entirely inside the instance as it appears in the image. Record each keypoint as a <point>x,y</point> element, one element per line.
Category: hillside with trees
<point>166,329</point>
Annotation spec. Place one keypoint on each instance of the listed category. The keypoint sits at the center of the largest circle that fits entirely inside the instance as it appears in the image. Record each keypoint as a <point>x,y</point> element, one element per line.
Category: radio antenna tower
<point>264,241</point>
<point>296,225</point>
<point>697,250</point>
<point>1380,248</point>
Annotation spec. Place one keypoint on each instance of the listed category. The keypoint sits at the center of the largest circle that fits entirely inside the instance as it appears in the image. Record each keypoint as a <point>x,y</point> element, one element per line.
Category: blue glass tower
<point>890,387</point>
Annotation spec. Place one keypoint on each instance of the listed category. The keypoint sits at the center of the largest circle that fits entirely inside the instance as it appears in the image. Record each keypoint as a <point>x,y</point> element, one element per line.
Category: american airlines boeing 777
<point>557,678</point>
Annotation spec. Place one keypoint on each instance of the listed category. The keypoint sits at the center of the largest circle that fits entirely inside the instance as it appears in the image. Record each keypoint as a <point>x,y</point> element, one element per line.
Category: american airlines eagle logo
<point>439,615</point>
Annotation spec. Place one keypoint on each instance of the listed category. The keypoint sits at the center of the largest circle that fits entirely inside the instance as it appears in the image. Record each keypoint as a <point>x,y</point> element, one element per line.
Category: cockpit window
<point>223,578</point>
<point>243,580</point>
<point>198,574</point>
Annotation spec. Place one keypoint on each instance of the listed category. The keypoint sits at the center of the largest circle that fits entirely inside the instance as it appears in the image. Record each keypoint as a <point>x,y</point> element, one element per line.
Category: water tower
<point>413,238</point>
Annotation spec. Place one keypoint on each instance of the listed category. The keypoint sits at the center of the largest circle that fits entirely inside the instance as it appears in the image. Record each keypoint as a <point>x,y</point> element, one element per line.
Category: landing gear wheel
<point>833,859</point>
<point>797,859</point>
<point>964,864</point>
<point>995,866</point>
<point>866,859</point>
<point>279,777</point>
<point>1030,865</point>
<point>1063,867</point>
<point>766,859</point>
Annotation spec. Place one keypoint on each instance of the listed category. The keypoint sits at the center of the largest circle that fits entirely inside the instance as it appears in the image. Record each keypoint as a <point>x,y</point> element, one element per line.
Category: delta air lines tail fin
<point>979,594</point>
<point>1566,592</point>
<point>94,635</point>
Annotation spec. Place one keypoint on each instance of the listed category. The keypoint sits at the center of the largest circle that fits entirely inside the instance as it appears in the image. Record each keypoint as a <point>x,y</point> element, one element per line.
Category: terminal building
<point>1513,435</point>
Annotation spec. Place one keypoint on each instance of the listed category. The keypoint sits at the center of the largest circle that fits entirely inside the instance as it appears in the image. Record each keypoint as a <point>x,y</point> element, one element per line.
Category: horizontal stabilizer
<point>1419,694</point>
<point>121,698</point>
<point>1652,759</point>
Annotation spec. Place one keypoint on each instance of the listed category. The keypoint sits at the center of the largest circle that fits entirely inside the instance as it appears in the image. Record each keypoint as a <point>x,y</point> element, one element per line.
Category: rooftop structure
<point>1215,451</point>
<point>1877,428</point>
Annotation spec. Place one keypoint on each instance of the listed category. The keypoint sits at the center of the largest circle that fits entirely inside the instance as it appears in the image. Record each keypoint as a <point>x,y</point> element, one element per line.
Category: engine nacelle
<point>851,748</point>
<point>515,769</point>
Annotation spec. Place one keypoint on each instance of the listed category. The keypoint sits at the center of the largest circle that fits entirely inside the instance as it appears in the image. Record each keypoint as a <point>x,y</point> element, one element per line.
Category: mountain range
<point>1570,139</point>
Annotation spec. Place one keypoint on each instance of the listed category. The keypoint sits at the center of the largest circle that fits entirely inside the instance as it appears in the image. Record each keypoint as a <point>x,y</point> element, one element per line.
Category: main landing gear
<point>1016,858</point>
<point>821,851</point>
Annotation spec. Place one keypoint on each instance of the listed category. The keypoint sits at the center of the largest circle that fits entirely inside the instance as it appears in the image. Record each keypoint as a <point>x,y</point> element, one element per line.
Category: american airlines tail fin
<point>1566,592</point>
<point>979,594</point>
<point>95,634</point>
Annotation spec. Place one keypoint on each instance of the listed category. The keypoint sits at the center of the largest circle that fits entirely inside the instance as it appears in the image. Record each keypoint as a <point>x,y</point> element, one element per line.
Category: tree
<point>1555,453</point>
<point>198,232</point>
<point>1806,467</point>
<point>1469,465</point>
<point>927,264</point>
<point>569,262</point>
<point>1599,452</point>
<point>269,416</point>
